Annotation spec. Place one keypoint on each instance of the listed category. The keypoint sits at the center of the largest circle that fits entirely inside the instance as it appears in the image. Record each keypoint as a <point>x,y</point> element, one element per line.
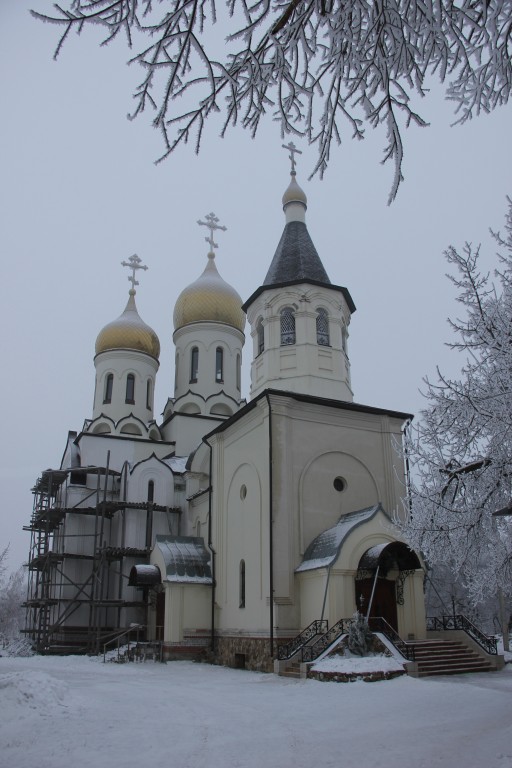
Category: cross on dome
<point>133,263</point>
<point>293,151</point>
<point>212,222</point>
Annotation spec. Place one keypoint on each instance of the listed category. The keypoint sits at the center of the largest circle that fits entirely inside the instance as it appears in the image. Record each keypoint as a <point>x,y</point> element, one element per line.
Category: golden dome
<point>129,332</point>
<point>209,299</point>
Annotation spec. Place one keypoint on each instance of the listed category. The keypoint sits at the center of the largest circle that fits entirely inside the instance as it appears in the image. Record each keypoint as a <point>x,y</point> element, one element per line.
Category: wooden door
<point>384,599</point>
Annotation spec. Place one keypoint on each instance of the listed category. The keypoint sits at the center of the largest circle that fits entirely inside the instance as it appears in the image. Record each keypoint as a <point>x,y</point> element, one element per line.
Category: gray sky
<point>79,193</point>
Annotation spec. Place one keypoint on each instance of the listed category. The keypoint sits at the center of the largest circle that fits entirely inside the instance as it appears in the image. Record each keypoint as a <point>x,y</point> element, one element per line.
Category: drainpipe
<point>407,468</point>
<point>210,547</point>
<point>373,592</point>
<point>325,592</point>
<point>270,526</point>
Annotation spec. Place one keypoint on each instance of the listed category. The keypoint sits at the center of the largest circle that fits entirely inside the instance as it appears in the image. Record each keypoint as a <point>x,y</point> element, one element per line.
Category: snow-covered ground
<point>75,712</point>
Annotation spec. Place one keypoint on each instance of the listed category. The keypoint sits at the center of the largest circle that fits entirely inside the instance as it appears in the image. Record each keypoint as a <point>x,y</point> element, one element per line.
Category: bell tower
<point>299,320</point>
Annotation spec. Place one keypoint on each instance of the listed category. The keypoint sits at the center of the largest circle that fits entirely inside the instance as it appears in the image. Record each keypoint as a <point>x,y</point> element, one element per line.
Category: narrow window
<point>130,388</point>
<point>344,336</point>
<point>109,385</point>
<point>148,395</point>
<point>219,364</point>
<point>238,372</point>
<point>242,584</point>
<point>261,336</point>
<point>151,490</point>
<point>176,365</point>
<point>322,328</point>
<point>194,364</point>
<point>287,326</point>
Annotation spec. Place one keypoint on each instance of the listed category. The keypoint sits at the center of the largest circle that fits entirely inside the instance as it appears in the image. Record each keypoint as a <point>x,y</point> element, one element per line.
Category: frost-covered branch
<point>321,68</point>
<point>461,451</point>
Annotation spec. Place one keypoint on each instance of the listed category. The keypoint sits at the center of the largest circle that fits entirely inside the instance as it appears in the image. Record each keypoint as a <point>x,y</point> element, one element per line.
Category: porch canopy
<point>389,556</point>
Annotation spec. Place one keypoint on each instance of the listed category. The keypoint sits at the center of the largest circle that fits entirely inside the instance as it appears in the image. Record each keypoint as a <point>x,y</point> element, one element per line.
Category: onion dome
<point>209,299</point>
<point>129,331</point>
<point>294,194</point>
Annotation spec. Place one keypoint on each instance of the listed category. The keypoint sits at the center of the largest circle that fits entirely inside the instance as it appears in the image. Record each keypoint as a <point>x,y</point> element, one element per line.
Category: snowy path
<point>74,712</point>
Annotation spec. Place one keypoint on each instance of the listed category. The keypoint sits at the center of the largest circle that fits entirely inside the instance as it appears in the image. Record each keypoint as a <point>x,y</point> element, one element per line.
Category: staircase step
<point>447,657</point>
<point>454,671</point>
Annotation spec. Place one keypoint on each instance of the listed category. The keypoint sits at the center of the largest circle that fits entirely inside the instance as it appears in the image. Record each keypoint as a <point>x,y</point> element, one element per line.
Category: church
<point>229,526</point>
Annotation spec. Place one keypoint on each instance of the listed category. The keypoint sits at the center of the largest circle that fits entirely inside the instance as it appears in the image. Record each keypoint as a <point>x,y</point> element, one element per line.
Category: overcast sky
<point>80,192</point>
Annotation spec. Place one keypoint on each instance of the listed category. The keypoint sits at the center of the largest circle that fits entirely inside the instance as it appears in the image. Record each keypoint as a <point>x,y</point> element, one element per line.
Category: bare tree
<point>12,595</point>
<point>461,451</point>
<point>321,68</point>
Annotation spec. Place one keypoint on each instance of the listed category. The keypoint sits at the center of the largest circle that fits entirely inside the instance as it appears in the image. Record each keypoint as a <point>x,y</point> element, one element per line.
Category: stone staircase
<point>447,657</point>
<point>292,669</point>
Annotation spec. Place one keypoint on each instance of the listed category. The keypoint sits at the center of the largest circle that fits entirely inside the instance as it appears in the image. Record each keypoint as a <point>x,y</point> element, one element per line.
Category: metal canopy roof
<point>186,559</point>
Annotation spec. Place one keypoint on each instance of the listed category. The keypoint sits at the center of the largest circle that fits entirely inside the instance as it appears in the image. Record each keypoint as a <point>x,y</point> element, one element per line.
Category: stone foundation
<point>351,677</point>
<point>244,653</point>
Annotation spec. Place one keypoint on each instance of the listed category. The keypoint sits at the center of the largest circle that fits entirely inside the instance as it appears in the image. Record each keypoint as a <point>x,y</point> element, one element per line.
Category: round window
<point>339,483</point>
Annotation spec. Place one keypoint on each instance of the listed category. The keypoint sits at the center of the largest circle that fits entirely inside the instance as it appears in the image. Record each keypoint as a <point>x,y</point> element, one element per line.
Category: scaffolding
<point>55,596</point>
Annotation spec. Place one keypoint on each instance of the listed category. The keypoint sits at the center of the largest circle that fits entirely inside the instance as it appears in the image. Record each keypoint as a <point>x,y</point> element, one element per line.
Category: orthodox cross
<point>212,222</point>
<point>133,263</point>
<point>293,151</point>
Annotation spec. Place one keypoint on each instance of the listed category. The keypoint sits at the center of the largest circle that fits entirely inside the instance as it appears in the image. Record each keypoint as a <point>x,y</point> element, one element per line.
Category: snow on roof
<point>324,550</point>
<point>186,559</point>
<point>178,464</point>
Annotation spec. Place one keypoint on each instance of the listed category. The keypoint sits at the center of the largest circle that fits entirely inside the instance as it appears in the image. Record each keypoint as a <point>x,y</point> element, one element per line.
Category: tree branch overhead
<point>322,68</point>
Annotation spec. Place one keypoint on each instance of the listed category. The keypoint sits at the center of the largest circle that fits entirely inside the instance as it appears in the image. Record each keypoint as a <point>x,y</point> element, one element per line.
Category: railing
<point>117,638</point>
<point>378,624</point>
<point>287,650</point>
<point>312,652</point>
<point>460,622</point>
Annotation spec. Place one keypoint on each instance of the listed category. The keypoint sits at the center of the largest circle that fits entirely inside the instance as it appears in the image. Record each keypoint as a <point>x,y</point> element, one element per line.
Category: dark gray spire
<point>296,258</point>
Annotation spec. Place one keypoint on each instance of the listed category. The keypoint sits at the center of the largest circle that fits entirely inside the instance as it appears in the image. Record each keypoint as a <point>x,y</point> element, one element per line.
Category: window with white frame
<point>322,328</point>
<point>287,326</point>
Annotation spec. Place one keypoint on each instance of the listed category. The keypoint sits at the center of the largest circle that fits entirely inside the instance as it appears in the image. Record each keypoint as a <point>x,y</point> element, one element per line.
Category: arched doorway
<point>378,594</point>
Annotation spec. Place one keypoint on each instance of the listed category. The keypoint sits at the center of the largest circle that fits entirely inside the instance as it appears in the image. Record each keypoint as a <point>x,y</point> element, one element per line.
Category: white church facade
<point>230,526</point>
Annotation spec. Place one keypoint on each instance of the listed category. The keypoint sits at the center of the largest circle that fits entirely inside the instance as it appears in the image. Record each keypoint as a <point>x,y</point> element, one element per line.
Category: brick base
<point>244,653</point>
<point>350,677</point>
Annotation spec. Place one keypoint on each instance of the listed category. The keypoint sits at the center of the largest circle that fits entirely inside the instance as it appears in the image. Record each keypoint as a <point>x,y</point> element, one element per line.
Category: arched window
<point>322,328</point>
<point>176,365</point>
<point>130,388</point>
<point>219,364</point>
<point>242,584</point>
<point>148,394</point>
<point>109,385</point>
<point>151,490</point>
<point>194,364</point>
<point>287,326</point>
<point>238,372</point>
<point>261,336</point>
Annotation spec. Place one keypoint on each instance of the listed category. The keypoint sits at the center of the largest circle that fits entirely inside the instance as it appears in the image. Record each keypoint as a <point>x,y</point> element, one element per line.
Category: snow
<point>58,712</point>
<point>350,663</point>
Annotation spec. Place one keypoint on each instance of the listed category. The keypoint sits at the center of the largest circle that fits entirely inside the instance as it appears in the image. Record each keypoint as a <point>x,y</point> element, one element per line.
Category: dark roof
<point>296,258</point>
<point>323,551</point>
<point>296,261</point>
<point>186,559</point>
<point>322,401</point>
<point>144,575</point>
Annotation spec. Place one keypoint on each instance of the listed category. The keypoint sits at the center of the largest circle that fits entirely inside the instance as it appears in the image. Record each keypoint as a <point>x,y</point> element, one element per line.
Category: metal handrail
<point>117,638</point>
<point>460,622</point>
<point>378,624</point>
<point>287,650</point>
<point>312,652</point>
